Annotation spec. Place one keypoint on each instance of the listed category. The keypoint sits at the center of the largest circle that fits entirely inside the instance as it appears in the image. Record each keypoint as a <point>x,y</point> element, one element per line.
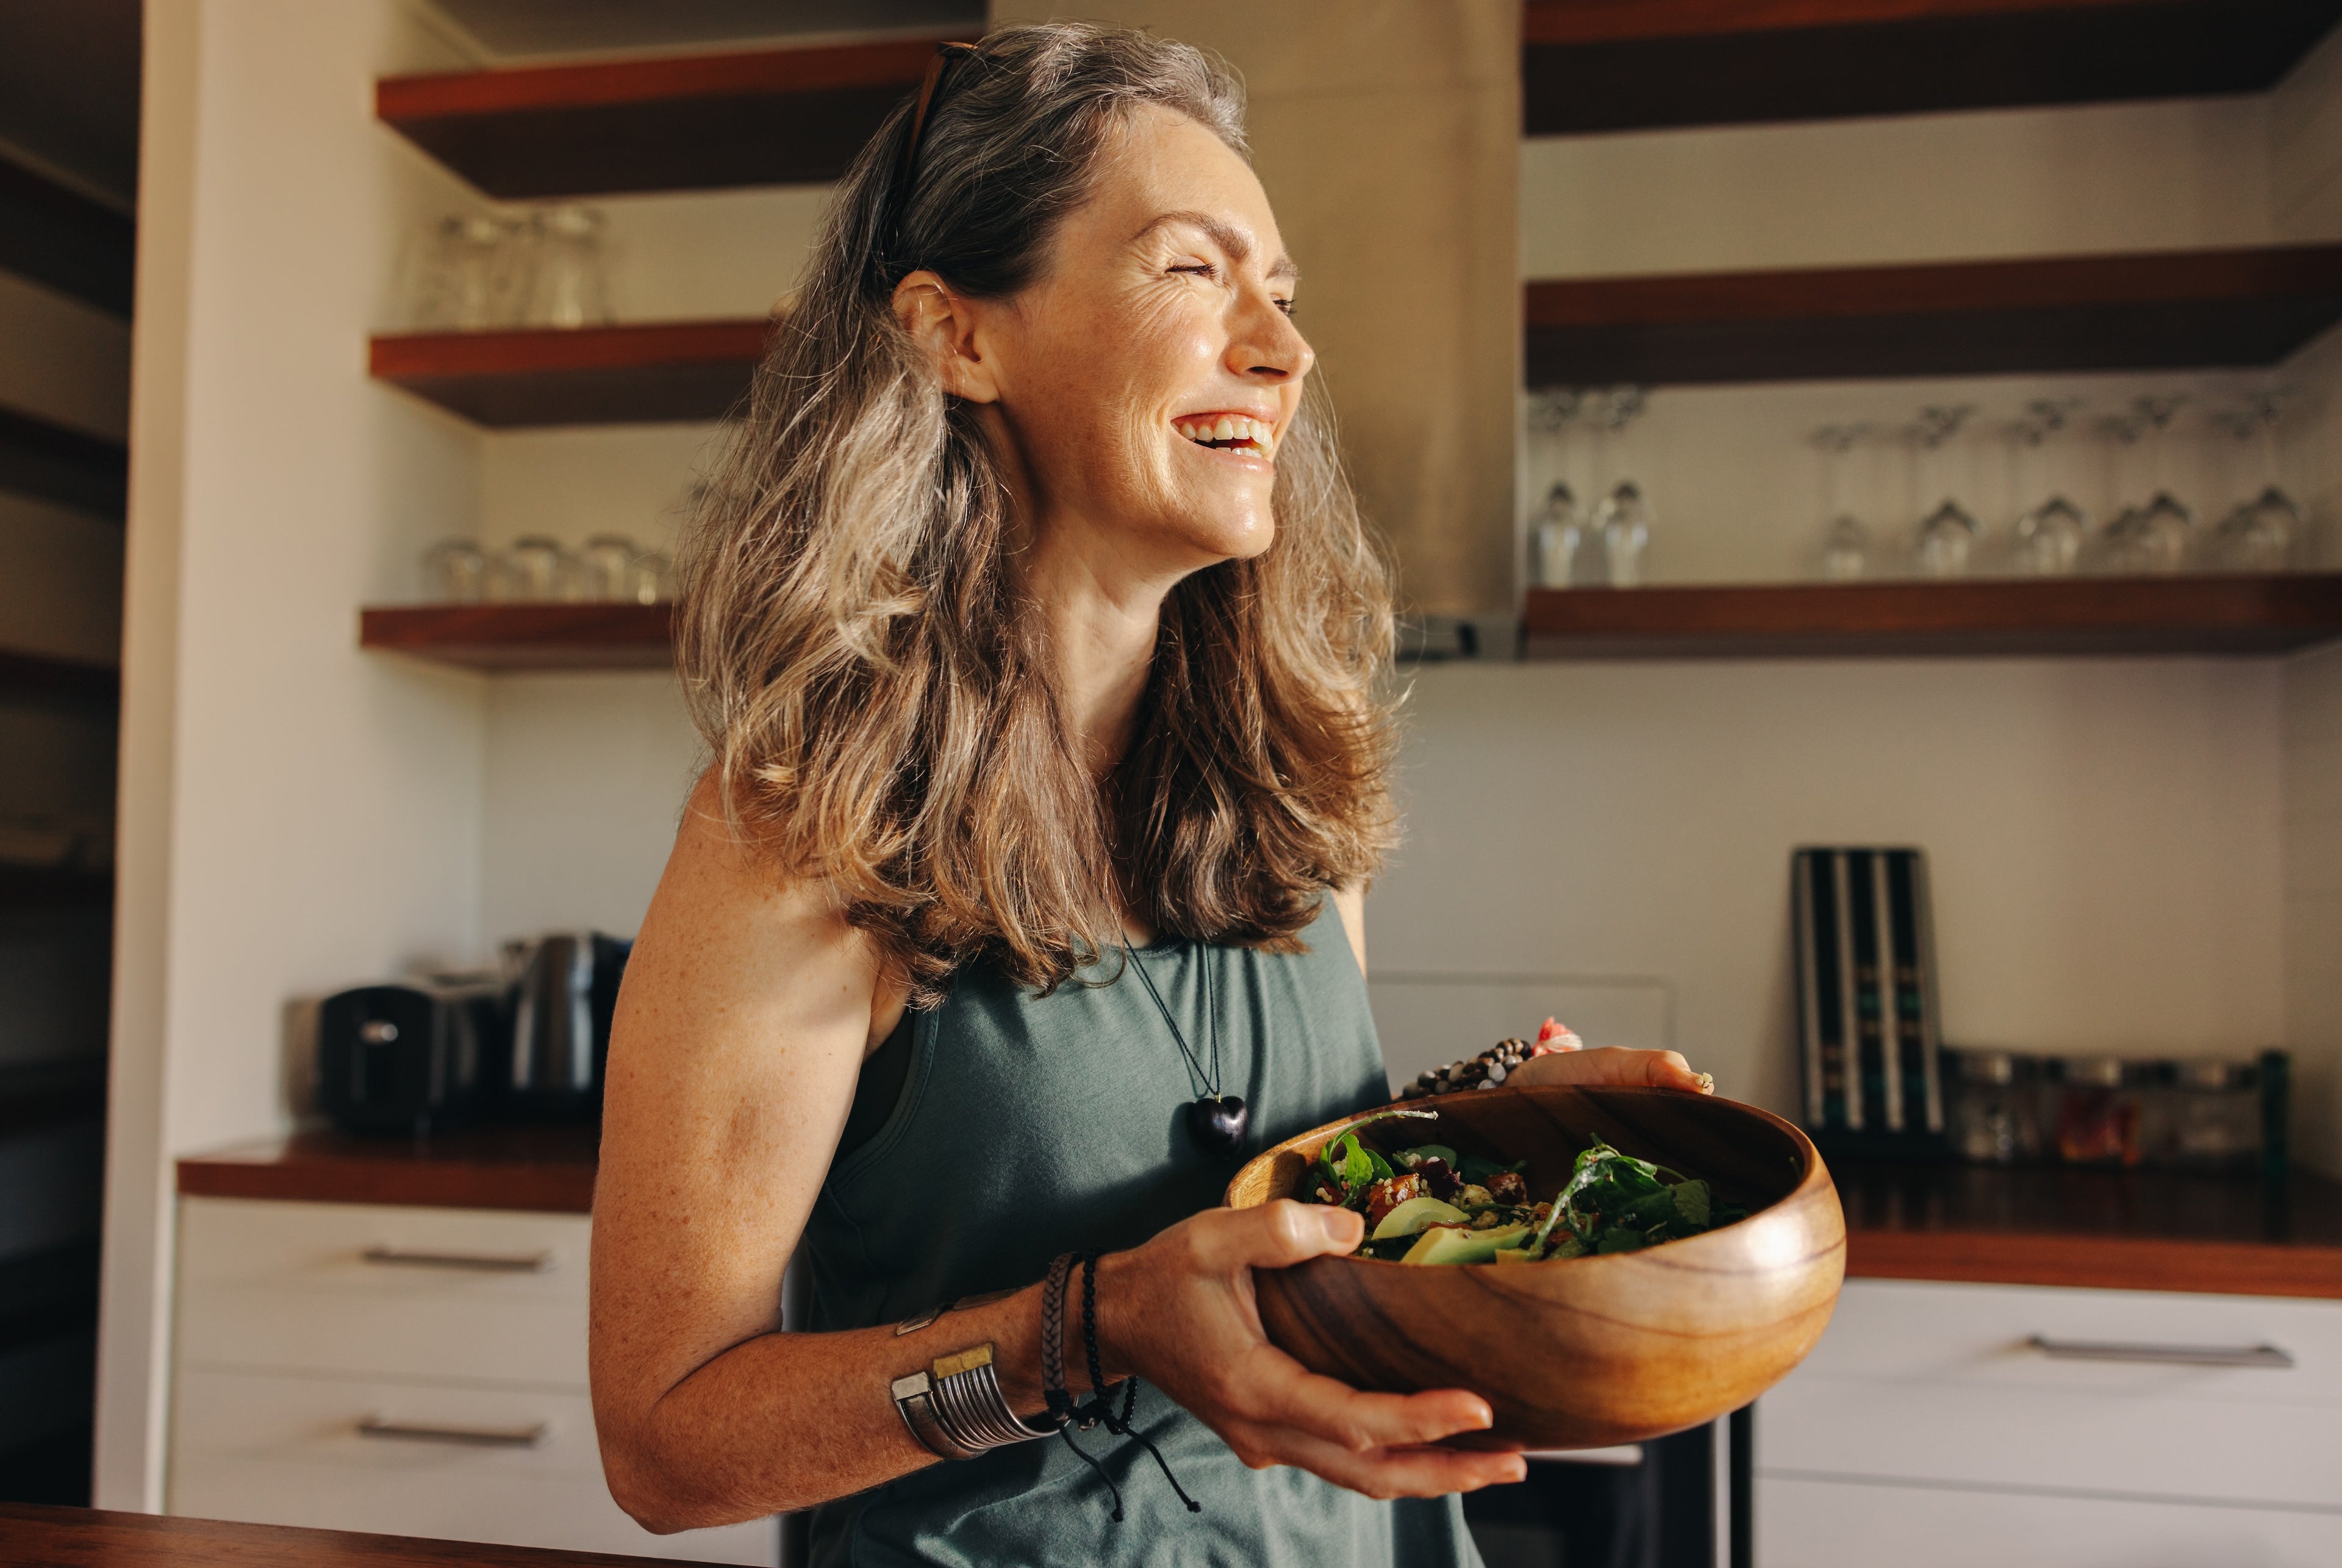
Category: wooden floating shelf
<point>2064,615</point>
<point>1626,64</point>
<point>596,637</point>
<point>771,117</point>
<point>44,678</point>
<point>53,887</point>
<point>792,116</point>
<point>60,237</point>
<point>657,372</point>
<point>2155,310</point>
<point>69,468</point>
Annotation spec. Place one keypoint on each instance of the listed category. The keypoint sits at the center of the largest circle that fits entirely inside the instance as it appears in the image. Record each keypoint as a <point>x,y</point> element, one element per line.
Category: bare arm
<point>747,1009</point>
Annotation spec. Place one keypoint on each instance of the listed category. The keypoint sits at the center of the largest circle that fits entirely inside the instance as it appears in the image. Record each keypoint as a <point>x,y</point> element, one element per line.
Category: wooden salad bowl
<point>1587,1351</point>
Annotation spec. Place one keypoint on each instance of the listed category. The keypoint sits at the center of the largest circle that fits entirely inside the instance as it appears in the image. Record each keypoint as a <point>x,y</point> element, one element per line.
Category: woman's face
<point>1146,376</point>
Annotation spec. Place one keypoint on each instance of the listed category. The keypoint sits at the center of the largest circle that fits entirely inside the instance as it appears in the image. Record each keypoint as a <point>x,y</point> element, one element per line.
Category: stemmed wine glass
<point>1623,521</point>
<point>1948,534</point>
<point>1559,541</point>
<point>2125,546</point>
<point>2160,535</point>
<point>2046,538</point>
<point>1846,541</point>
<point>2258,535</point>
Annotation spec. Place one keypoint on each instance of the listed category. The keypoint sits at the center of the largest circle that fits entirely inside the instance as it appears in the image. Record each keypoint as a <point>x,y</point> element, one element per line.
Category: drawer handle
<point>484,1262</point>
<point>467,1436</point>
<point>2268,1355</point>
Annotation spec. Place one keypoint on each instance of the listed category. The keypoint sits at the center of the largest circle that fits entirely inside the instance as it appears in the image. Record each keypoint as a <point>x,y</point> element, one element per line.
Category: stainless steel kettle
<point>564,988</point>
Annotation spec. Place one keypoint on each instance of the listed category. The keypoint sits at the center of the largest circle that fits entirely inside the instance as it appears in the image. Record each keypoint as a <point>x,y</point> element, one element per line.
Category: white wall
<point>295,813</point>
<point>2103,840</point>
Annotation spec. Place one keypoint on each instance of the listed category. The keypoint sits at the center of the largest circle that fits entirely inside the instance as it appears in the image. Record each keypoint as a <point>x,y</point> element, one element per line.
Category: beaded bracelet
<point>1488,1069</point>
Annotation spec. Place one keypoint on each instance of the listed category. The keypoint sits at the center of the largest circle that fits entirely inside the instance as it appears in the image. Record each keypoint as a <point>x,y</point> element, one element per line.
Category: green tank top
<point>1028,1127</point>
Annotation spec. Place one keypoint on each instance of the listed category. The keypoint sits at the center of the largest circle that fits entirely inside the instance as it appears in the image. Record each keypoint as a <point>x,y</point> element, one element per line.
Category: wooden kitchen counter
<point>94,1538</point>
<point>2109,1230</point>
<point>548,1170</point>
<point>2112,1230</point>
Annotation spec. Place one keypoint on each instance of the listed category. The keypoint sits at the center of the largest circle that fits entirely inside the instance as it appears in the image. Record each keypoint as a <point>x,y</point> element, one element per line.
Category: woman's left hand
<point>1613,1064</point>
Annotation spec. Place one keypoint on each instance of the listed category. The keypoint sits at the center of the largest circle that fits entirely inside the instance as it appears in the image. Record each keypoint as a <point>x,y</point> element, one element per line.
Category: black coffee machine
<point>526,1045</point>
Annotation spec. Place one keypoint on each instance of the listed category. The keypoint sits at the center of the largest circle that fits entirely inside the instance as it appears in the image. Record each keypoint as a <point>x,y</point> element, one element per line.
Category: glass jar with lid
<point>2216,1114</point>
<point>1992,1119</point>
<point>2097,1112</point>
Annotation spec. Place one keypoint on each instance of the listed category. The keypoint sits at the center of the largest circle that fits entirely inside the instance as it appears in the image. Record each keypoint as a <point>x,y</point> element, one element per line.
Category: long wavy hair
<point>871,678</point>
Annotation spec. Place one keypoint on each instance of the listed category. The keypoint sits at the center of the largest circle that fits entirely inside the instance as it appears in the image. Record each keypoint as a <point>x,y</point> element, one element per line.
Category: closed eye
<point>1201,269</point>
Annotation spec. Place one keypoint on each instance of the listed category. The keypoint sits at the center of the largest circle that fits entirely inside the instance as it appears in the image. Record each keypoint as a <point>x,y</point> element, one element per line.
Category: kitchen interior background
<point>2141,855</point>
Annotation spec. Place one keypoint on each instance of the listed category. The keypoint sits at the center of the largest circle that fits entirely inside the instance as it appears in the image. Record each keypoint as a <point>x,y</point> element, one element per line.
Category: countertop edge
<point>2165,1263</point>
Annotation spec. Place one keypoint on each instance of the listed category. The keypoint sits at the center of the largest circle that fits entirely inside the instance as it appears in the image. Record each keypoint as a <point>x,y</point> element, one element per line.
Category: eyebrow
<point>1229,240</point>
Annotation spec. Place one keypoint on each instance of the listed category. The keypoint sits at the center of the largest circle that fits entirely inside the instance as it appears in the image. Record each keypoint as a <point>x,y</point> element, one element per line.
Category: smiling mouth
<point>1230,433</point>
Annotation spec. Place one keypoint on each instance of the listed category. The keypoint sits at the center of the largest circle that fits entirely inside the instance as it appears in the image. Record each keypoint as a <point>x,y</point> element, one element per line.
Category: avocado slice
<point>1453,1246</point>
<point>1406,1218</point>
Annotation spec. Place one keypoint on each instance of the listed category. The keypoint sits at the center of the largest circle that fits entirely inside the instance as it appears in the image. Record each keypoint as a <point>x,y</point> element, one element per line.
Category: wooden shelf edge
<point>67,467</point>
<point>643,372</point>
<point>525,637</point>
<point>537,350</point>
<point>43,677</point>
<point>2097,1263</point>
<point>401,101</point>
<point>1567,22</point>
<point>1938,288</point>
<point>2240,615</point>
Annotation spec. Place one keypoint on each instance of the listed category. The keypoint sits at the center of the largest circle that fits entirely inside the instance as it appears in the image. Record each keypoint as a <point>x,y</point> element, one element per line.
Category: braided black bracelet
<point>1120,1425</point>
<point>1052,1342</point>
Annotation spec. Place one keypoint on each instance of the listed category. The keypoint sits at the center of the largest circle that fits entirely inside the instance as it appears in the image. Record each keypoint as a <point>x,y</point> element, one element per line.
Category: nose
<point>1263,343</point>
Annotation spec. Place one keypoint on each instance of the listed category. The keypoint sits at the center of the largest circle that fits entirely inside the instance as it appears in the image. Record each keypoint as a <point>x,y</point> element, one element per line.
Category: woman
<point>1034,637</point>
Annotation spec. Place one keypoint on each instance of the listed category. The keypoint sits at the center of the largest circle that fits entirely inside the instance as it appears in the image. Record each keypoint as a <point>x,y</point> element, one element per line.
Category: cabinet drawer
<point>1900,1331</point>
<point>439,1293</point>
<point>1940,1383</point>
<point>1841,1524</point>
<point>289,1450</point>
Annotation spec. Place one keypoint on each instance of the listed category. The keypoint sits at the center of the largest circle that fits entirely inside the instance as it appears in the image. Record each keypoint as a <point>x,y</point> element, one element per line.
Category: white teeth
<point>1230,427</point>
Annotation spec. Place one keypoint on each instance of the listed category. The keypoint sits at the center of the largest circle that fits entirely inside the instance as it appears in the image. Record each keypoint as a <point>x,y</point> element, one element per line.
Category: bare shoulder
<point>747,988</point>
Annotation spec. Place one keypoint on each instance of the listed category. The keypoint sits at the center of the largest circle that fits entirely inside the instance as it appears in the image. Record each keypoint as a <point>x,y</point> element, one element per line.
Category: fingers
<point>1614,1065</point>
<point>1277,1390</point>
<point>1385,1472</point>
<point>1276,1235</point>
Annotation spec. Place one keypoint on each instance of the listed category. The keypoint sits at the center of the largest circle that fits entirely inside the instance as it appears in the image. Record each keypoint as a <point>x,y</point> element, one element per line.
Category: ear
<point>942,325</point>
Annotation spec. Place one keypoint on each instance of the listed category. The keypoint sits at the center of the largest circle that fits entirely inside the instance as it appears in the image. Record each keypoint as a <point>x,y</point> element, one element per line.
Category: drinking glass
<point>1624,519</point>
<point>2047,537</point>
<point>2127,546</point>
<point>1846,542</point>
<point>2260,534</point>
<point>1948,534</point>
<point>607,566</point>
<point>654,579</point>
<point>537,568</point>
<point>1566,556</point>
<point>456,572</point>
<point>2169,523</point>
<point>1947,539</point>
<point>1625,525</point>
<point>569,288</point>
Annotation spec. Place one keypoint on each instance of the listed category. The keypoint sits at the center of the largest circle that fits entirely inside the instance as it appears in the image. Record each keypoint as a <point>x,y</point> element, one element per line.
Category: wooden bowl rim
<point>1814,1178</point>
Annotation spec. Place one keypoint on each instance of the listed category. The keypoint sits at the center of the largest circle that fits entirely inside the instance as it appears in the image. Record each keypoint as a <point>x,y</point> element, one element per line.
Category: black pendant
<point>1218,1122</point>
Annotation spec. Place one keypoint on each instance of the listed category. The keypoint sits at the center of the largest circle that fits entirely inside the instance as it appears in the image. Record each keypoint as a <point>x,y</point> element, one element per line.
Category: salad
<point>1428,1204</point>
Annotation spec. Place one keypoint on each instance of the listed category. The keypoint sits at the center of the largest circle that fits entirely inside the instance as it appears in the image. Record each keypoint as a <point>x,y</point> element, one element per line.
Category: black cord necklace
<point>1217,1120</point>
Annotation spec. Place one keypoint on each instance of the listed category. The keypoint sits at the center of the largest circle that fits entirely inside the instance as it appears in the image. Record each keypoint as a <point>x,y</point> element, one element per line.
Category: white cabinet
<point>2017,1425</point>
<point>407,1371</point>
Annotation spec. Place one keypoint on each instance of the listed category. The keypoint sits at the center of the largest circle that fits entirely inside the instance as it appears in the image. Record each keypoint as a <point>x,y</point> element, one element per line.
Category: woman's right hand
<point>1180,1312</point>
